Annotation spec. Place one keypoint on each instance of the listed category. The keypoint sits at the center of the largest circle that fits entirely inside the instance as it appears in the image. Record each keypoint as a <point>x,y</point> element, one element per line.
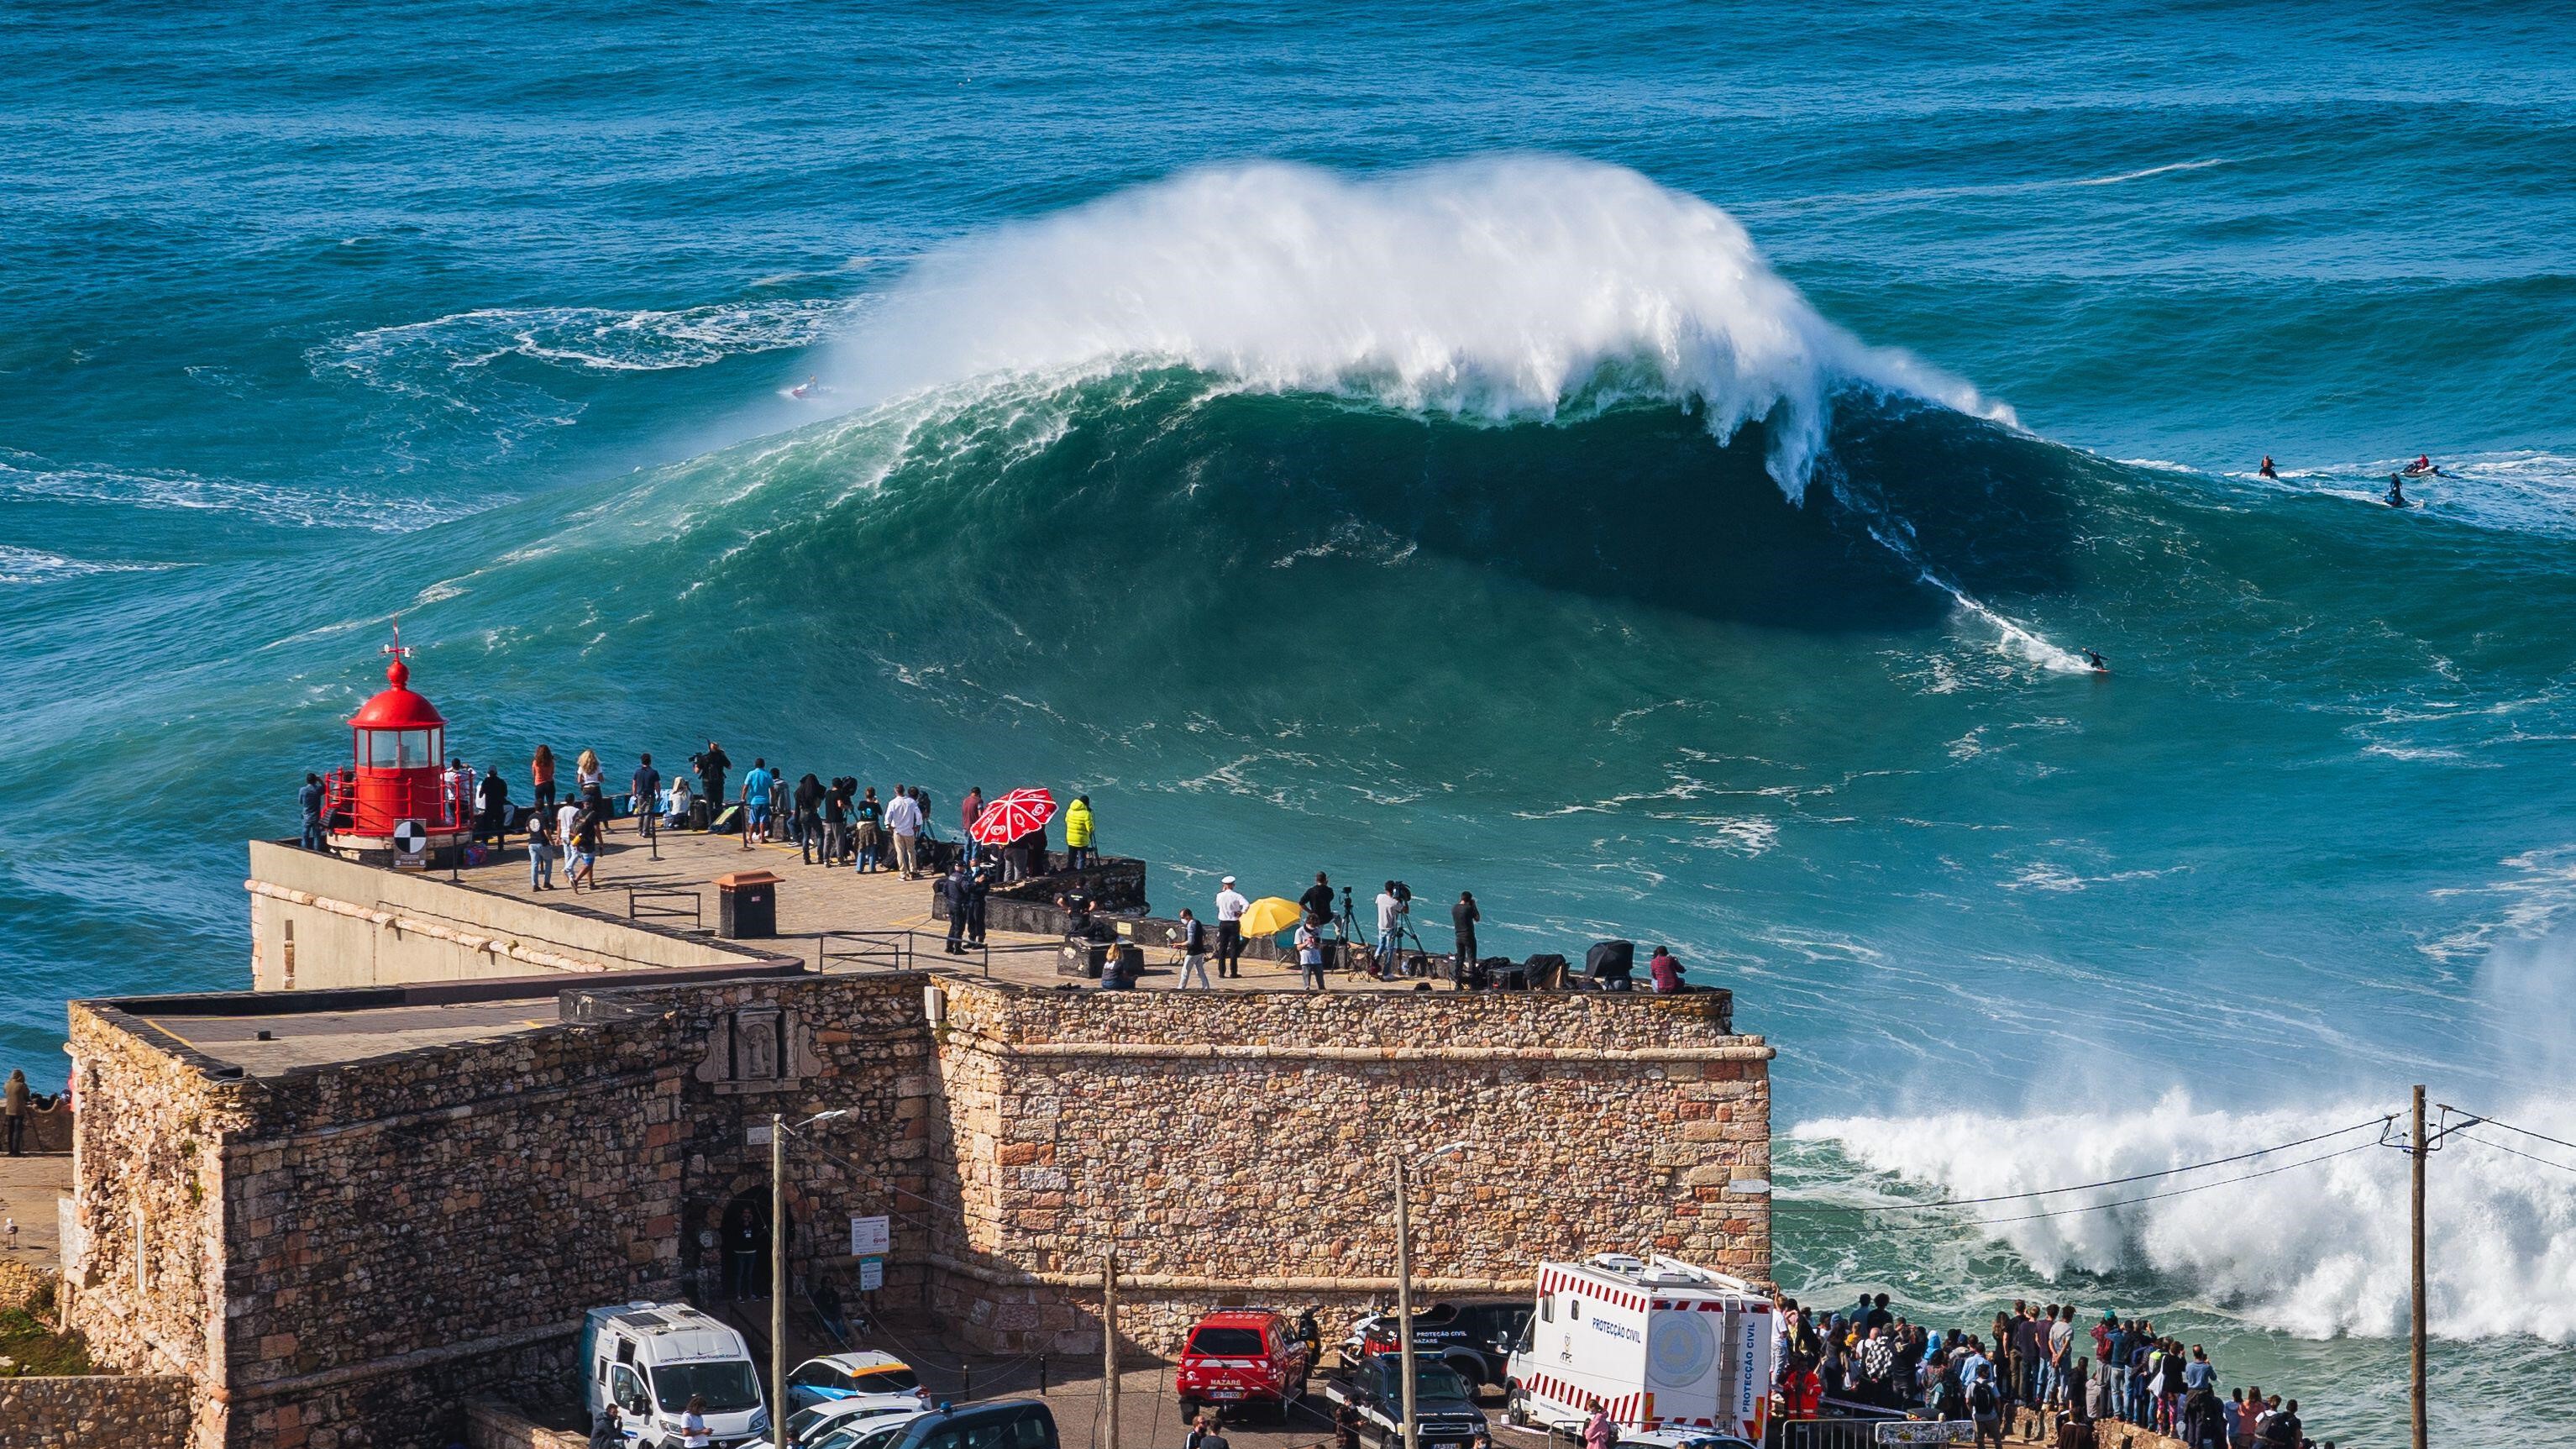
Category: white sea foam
<point>2313,1249</point>
<point>35,566</point>
<point>25,475</point>
<point>593,339</point>
<point>2167,169</point>
<point>1498,289</point>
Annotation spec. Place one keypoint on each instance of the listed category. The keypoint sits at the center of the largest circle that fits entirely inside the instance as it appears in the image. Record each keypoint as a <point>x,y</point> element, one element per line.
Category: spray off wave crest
<point>1503,290</point>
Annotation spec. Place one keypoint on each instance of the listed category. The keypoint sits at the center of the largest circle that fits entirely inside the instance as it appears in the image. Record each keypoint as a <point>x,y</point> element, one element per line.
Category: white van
<point>650,1359</point>
<point>1662,1345</point>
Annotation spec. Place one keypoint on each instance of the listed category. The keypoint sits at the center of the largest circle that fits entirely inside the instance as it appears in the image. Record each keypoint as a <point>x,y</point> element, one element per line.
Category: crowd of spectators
<point>1869,1359</point>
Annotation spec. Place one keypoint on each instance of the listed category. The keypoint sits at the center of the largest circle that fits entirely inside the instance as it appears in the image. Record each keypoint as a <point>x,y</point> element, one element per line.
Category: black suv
<point>1445,1415</point>
<point>1474,1339</point>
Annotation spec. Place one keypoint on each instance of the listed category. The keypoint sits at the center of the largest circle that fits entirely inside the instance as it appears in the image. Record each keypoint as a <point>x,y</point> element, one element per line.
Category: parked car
<point>808,1427</point>
<point>859,1431</point>
<point>1010,1424</point>
<point>1474,1339</point>
<point>878,1380</point>
<point>1242,1357</point>
<point>1445,1415</point>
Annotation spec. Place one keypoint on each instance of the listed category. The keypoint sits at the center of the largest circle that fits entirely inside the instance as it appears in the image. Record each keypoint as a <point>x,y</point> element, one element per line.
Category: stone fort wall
<point>1236,1147</point>
<point>337,1256</point>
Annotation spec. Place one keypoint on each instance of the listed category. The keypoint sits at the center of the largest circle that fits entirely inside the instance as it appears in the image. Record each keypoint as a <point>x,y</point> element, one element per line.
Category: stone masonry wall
<point>144,1284</point>
<point>857,1044</point>
<point>138,1411</point>
<point>339,1256</point>
<point>1235,1146</point>
<point>331,1254</point>
<point>439,1219</point>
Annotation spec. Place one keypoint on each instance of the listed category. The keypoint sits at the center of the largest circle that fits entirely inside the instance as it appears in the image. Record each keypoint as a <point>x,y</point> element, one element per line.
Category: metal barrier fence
<point>1824,1434</point>
<point>879,950</point>
<point>651,903</point>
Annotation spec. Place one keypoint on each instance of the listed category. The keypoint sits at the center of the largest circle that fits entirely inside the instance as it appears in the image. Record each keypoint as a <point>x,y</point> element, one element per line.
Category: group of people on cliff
<point>2033,1358</point>
<point>832,822</point>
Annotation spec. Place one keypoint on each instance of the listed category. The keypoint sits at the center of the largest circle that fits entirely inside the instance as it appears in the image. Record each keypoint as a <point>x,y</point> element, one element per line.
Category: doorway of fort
<point>743,1240</point>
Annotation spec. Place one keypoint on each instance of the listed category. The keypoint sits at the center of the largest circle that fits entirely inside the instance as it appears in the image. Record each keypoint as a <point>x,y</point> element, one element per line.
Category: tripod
<point>1348,925</point>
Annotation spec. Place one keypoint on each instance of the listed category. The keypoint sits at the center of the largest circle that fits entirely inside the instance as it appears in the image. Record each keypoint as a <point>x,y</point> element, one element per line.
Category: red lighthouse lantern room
<point>393,798</point>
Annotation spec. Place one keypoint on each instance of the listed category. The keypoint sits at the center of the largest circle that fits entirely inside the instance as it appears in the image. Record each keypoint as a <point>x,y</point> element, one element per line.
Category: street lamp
<point>1404,1281</point>
<point>778,1130</point>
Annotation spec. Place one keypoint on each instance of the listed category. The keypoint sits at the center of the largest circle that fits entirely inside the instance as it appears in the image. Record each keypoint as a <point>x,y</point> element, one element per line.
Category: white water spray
<point>2315,1249</point>
<point>1500,289</point>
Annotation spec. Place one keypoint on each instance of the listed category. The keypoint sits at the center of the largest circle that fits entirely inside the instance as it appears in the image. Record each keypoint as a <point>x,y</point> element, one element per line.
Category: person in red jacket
<point>1802,1394</point>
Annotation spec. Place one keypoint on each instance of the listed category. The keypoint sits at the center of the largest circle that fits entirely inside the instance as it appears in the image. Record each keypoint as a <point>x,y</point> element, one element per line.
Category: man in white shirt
<point>903,820</point>
<point>1390,922</point>
<point>1230,906</point>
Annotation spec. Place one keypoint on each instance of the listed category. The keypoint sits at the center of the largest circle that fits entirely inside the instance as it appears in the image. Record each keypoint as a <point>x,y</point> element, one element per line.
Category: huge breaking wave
<point>1500,289</point>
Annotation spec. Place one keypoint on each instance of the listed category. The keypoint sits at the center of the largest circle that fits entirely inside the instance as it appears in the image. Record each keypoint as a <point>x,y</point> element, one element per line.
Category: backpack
<point>1981,1400</point>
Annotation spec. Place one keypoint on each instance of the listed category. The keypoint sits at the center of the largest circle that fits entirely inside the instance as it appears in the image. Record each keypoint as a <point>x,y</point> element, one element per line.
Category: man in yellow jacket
<point>1077,833</point>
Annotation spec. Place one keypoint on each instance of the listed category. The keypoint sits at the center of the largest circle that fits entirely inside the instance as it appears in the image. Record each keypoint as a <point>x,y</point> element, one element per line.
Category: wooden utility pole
<point>1109,1343</point>
<point>2417,1385</point>
<point>1404,1297</point>
<point>777,1281</point>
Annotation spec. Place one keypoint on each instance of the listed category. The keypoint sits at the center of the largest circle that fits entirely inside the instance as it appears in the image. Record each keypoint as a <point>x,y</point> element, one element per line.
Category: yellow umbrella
<point>1270,915</point>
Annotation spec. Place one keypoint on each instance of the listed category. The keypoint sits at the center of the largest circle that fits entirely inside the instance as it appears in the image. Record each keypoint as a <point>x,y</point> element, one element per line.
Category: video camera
<point>1403,894</point>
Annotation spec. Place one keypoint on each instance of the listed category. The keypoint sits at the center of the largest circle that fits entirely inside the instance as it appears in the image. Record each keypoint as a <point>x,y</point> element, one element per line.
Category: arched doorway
<point>743,1243</point>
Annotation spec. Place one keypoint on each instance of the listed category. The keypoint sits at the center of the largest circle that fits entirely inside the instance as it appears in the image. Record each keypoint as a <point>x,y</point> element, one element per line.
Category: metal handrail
<point>659,903</point>
<point>894,948</point>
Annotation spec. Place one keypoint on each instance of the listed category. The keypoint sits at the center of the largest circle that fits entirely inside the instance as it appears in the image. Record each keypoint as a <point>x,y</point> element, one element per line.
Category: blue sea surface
<point>1654,466</point>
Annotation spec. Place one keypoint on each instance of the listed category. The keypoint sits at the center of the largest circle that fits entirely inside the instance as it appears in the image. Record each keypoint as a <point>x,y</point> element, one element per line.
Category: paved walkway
<point>831,915</point>
<point>28,1188</point>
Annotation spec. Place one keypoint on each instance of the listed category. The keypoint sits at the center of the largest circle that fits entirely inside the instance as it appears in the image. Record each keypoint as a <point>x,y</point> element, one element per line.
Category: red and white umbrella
<point>1011,816</point>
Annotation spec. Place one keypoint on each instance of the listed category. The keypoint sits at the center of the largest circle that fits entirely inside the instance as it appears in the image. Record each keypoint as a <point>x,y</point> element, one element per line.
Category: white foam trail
<point>25,475</point>
<point>2314,1250</point>
<point>2166,169</point>
<point>35,566</point>
<point>1497,289</point>
<point>593,339</point>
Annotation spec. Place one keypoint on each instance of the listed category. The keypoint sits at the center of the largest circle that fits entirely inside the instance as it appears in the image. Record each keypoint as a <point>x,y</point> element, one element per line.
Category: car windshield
<point>727,1385</point>
<point>885,1381</point>
<point>805,1419</point>
<point>880,1438</point>
<point>1227,1342</point>
<point>1431,1379</point>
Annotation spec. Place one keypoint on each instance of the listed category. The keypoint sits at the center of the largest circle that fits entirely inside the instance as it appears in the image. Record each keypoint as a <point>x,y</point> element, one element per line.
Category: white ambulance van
<point>1674,1351</point>
<point>650,1359</point>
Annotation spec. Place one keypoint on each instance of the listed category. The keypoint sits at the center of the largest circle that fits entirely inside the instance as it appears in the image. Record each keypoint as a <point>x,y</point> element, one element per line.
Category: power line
<point>2527,1132</point>
<point>2149,1197</point>
<point>2511,1152</point>
<point>2120,1181</point>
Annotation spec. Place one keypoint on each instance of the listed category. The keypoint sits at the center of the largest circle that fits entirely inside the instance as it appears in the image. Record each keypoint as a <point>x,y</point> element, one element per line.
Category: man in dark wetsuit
<point>2396,491</point>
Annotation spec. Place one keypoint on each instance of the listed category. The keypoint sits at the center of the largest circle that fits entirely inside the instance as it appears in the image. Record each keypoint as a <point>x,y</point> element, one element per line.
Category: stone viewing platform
<point>832,918</point>
<point>459,1114</point>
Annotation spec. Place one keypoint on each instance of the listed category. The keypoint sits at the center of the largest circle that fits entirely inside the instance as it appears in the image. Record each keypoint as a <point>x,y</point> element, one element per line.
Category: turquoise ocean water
<point>1651,465</point>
